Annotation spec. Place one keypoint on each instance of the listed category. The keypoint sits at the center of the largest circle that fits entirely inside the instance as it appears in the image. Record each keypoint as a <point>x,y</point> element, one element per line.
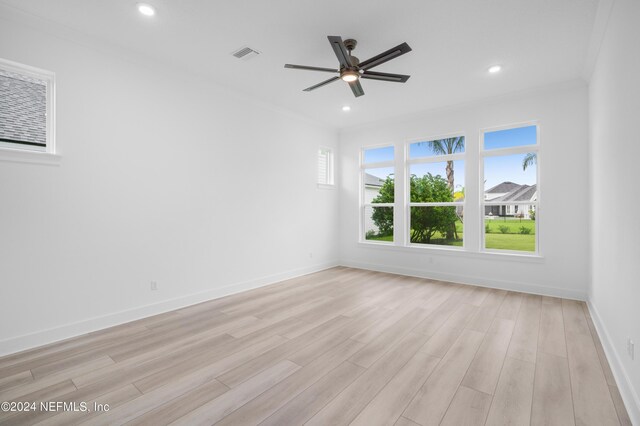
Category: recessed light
<point>494,69</point>
<point>146,9</point>
<point>346,108</point>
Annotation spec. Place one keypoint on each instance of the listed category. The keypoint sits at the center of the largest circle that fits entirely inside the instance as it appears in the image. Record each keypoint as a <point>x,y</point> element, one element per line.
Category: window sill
<point>459,252</point>
<point>33,157</point>
<point>326,186</point>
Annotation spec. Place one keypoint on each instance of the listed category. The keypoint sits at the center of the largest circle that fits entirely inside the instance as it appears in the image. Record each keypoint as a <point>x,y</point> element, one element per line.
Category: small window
<point>325,167</point>
<point>377,155</point>
<point>510,138</point>
<point>26,108</point>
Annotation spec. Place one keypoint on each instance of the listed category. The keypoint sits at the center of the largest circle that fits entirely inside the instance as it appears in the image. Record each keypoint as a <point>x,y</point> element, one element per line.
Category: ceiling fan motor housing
<point>350,44</point>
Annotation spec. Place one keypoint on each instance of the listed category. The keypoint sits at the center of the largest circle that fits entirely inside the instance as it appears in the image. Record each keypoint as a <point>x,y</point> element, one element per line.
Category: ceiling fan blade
<point>390,54</point>
<point>324,83</point>
<point>356,88</point>
<point>341,51</point>
<point>383,76</point>
<point>304,67</point>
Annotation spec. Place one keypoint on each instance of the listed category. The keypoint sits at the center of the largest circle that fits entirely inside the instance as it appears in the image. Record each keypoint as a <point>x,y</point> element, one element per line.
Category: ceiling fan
<point>352,70</point>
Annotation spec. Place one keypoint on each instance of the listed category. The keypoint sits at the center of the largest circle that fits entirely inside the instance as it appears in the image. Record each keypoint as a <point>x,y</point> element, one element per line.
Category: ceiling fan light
<point>350,76</point>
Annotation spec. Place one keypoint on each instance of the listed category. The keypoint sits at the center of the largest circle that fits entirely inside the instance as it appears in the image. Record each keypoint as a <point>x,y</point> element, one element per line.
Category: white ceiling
<point>538,43</point>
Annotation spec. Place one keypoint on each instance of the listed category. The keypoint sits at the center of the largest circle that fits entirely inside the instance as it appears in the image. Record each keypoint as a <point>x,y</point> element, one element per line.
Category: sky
<point>509,167</point>
<point>496,169</point>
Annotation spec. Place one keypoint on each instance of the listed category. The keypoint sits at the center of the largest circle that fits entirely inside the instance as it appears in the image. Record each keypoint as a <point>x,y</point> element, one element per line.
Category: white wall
<point>563,271</point>
<point>163,177</point>
<point>614,106</point>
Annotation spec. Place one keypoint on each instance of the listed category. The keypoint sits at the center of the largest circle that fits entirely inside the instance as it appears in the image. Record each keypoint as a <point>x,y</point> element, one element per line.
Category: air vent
<point>245,53</point>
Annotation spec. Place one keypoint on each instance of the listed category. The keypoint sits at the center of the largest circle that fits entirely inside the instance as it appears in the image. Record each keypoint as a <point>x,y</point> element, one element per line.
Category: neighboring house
<point>511,192</point>
<point>372,185</point>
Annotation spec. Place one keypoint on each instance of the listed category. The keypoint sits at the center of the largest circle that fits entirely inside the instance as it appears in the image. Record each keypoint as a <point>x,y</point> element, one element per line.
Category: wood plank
<point>346,406</point>
<point>134,369</point>
<point>432,400</point>
<point>606,368</point>
<point>469,407</point>
<point>374,350</point>
<point>390,402</point>
<point>403,421</point>
<point>440,343</point>
<point>30,358</point>
<point>312,351</point>
<point>223,405</point>
<point>273,399</point>
<point>574,320</point>
<point>314,398</point>
<point>15,380</point>
<point>484,371</point>
<point>50,393</point>
<point>510,306</point>
<point>154,399</point>
<point>182,405</point>
<point>511,403</point>
<point>243,372</point>
<point>487,311</point>
<point>211,368</point>
<point>19,392</point>
<point>551,339</point>
<point>552,402</point>
<point>591,396</point>
<point>524,341</point>
<point>623,416</point>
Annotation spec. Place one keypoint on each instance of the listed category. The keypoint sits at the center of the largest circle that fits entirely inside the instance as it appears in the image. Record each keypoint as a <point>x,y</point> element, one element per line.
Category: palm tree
<point>448,146</point>
<point>529,160</point>
<point>445,147</point>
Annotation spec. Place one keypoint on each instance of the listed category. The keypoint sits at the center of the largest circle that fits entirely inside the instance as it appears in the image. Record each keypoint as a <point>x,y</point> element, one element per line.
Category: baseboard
<point>471,280</point>
<point>29,341</point>
<point>627,391</point>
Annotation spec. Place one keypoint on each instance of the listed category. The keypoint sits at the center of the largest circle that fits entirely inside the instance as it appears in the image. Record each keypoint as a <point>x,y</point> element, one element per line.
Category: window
<point>325,167</point>
<point>436,191</point>
<point>377,194</point>
<point>26,108</point>
<point>510,191</point>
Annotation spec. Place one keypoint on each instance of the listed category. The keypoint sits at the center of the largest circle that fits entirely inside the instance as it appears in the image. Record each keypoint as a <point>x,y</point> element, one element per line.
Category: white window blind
<point>325,167</point>
<point>26,108</point>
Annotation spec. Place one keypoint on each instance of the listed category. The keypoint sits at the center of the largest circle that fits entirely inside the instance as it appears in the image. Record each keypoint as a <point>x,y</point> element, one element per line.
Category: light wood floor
<point>342,346</point>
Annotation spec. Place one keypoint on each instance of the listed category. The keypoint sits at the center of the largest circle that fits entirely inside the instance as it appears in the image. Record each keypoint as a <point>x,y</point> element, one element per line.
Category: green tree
<point>383,216</point>
<point>529,160</point>
<point>425,222</point>
<point>448,146</point>
<point>445,147</point>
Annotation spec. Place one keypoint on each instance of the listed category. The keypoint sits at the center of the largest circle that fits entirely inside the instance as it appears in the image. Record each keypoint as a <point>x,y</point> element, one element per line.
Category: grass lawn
<point>517,242</point>
<point>512,240</point>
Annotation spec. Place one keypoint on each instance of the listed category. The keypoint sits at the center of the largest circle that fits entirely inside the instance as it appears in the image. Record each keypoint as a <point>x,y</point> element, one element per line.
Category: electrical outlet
<point>630,348</point>
<point>310,255</point>
<point>153,286</point>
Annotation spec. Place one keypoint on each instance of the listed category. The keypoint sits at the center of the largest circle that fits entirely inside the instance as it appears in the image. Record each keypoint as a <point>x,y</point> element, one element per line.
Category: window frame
<point>21,152</point>
<point>407,187</point>
<point>331,181</point>
<point>361,191</point>
<point>498,152</point>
